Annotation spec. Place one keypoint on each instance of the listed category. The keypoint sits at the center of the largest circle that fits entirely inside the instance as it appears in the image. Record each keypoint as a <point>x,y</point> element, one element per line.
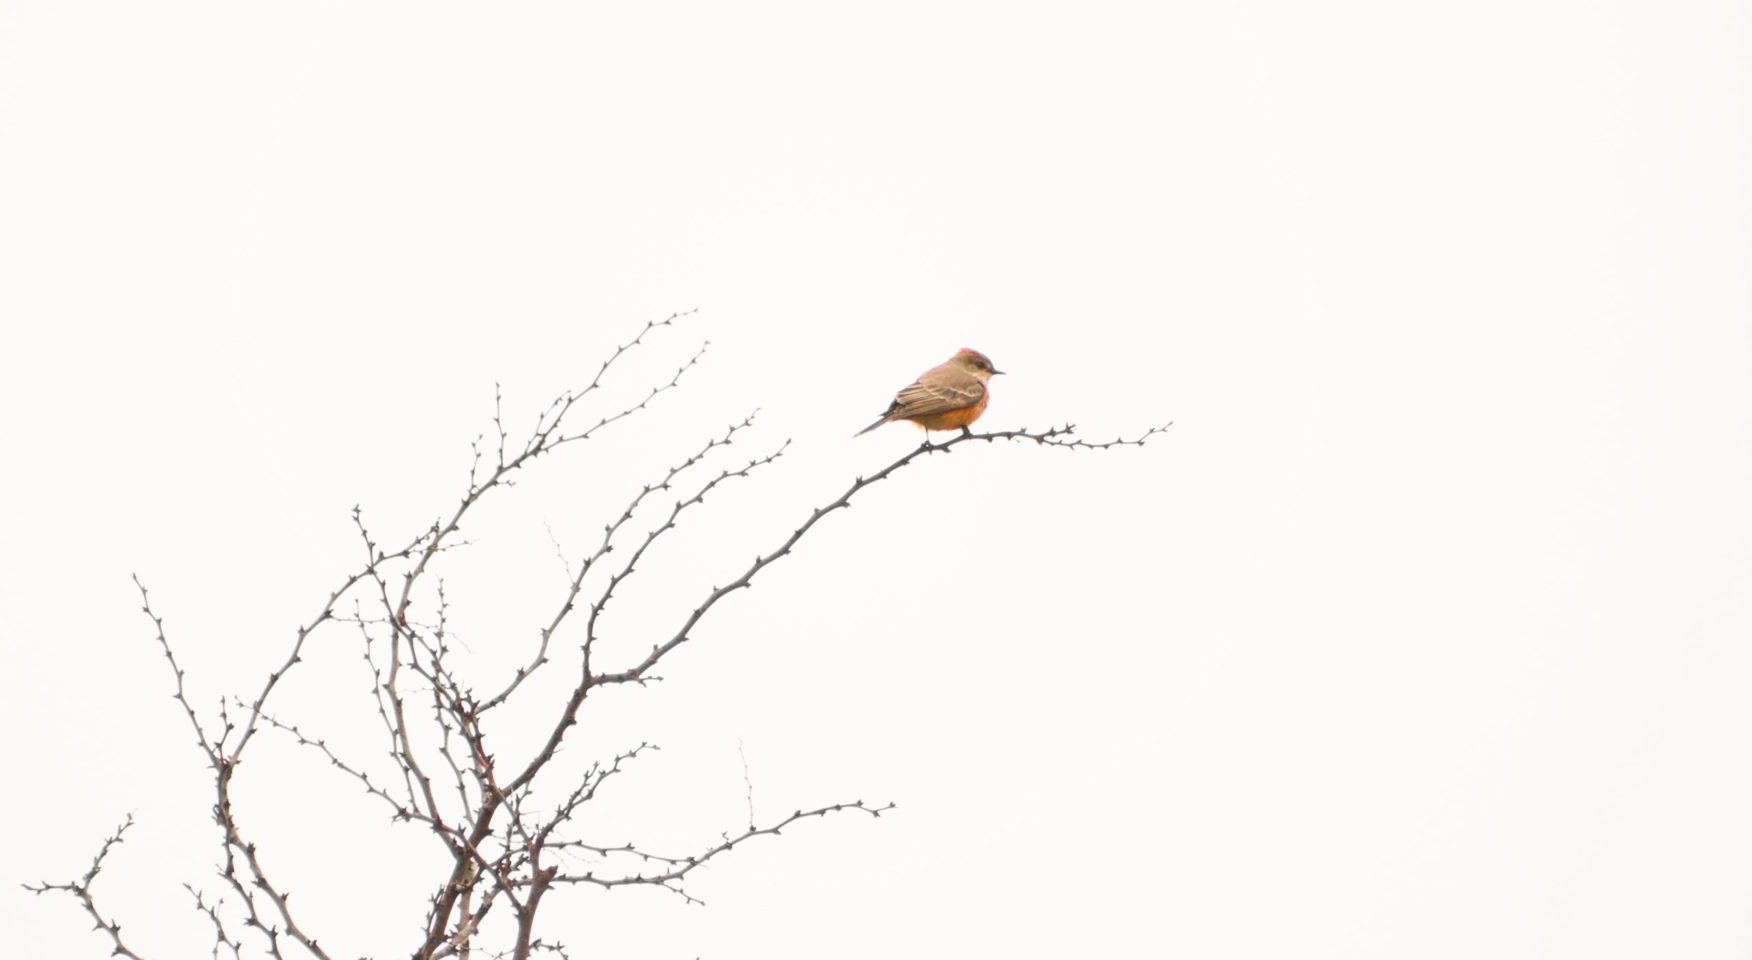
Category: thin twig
<point>80,890</point>
<point>220,939</point>
<point>679,867</point>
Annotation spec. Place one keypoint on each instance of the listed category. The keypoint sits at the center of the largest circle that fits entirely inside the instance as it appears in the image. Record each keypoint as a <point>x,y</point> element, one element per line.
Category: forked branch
<point>80,890</point>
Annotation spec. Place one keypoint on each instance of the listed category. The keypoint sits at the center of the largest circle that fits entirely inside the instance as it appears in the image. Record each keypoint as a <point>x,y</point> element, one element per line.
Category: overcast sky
<point>1422,633</point>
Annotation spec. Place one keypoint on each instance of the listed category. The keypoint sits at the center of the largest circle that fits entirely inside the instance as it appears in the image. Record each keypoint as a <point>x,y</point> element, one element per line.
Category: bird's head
<point>975,363</point>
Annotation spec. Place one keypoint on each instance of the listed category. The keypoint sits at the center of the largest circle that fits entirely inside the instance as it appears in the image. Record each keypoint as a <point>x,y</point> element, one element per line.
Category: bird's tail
<point>879,422</point>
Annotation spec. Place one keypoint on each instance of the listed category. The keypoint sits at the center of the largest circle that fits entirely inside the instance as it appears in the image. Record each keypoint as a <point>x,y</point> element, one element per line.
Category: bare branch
<point>1064,437</point>
<point>236,844</point>
<point>576,583</point>
<point>207,746</point>
<point>679,867</point>
<point>747,781</point>
<point>675,512</point>
<point>1056,436</point>
<point>586,791</point>
<point>303,633</point>
<point>220,939</point>
<point>80,889</point>
<point>428,544</point>
<point>402,810</point>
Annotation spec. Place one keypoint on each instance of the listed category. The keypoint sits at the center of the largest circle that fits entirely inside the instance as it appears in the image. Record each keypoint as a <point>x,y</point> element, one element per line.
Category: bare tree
<point>503,852</point>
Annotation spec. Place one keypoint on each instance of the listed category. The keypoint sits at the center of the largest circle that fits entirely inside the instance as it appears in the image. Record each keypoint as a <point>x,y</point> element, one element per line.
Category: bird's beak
<point>997,373</point>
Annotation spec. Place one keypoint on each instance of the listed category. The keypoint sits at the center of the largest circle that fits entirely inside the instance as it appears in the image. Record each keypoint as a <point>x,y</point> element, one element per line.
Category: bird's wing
<point>937,391</point>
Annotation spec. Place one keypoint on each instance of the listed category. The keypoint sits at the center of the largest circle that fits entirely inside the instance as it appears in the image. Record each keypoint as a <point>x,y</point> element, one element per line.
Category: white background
<point>1423,632</point>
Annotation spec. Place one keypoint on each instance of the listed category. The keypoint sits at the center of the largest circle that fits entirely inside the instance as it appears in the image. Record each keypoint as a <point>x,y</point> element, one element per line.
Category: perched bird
<point>948,396</point>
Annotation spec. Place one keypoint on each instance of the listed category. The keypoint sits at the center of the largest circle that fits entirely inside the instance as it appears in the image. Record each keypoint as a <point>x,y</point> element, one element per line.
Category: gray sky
<point>1422,633</point>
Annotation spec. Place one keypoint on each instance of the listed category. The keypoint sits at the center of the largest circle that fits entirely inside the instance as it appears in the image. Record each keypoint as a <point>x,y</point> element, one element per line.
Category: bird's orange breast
<point>953,419</point>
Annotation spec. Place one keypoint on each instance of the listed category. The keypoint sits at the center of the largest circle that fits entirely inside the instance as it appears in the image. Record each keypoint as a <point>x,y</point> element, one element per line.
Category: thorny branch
<point>80,889</point>
<point>602,550</point>
<point>677,868</point>
<point>1064,437</point>
<point>220,939</point>
<point>503,847</point>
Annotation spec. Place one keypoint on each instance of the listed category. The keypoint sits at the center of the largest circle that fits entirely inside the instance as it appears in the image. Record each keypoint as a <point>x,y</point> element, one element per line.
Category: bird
<point>948,396</point>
